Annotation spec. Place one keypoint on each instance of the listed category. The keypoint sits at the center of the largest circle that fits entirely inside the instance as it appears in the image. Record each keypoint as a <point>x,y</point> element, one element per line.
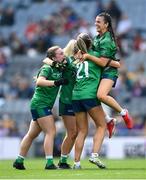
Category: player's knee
<point>72,134</point>
<point>50,132</point>
<point>84,132</point>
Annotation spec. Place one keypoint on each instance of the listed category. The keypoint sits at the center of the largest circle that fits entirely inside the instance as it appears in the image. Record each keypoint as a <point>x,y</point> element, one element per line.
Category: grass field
<point>117,169</point>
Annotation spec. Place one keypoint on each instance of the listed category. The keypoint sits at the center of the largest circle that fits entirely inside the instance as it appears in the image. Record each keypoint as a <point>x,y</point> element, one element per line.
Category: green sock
<point>63,158</point>
<point>49,161</point>
<point>19,159</point>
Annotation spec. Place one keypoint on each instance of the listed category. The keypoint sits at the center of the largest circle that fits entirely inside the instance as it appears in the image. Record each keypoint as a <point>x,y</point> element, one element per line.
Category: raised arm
<point>48,61</point>
<point>101,61</point>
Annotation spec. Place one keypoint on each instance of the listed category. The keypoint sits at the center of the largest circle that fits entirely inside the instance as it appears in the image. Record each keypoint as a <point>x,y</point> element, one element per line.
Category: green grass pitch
<point>117,169</point>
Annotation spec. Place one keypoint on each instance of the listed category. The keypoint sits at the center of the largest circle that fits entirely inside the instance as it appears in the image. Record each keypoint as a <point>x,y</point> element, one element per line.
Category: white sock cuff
<point>94,155</point>
<point>21,156</point>
<point>108,118</point>
<point>64,155</point>
<point>123,112</point>
<point>49,157</point>
<point>77,163</point>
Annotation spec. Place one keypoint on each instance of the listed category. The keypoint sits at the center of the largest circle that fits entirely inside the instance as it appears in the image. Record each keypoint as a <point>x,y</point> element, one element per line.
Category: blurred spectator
<point>3,131</point>
<point>18,88</point>
<point>31,31</point>
<point>99,7</point>
<point>113,9</point>
<point>124,26</point>
<point>137,89</point>
<point>16,44</point>
<point>7,16</point>
<point>24,4</point>
<point>70,17</point>
<point>3,63</point>
<point>4,47</point>
<point>137,41</point>
<point>8,127</point>
<point>44,40</point>
<point>24,90</point>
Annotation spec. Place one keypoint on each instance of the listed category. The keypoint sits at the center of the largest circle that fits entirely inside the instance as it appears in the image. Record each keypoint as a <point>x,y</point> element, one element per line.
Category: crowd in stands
<point>38,36</point>
<point>8,127</point>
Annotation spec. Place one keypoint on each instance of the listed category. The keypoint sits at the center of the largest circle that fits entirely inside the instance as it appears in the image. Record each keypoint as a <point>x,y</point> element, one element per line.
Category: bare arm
<point>101,61</point>
<point>41,81</point>
<point>48,61</point>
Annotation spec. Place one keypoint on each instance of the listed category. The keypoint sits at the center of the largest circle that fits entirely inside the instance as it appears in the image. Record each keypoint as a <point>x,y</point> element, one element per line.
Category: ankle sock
<point>49,160</point>
<point>63,158</point>
<point>123,112</point>
<point>93,155</point>
<point>20,159</point>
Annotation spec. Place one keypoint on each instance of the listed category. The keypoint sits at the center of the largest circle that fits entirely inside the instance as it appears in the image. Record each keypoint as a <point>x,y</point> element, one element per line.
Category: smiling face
<point>101,25</point>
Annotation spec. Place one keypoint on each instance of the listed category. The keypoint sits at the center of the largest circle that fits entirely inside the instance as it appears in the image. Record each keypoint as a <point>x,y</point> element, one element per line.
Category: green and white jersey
<point>87,79</point>
<point>106,46</point>
<point>45,96</point>
<point>70,74</point>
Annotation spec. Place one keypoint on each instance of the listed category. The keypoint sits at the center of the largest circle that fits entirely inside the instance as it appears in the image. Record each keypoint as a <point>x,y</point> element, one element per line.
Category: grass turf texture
<point>117,169</point>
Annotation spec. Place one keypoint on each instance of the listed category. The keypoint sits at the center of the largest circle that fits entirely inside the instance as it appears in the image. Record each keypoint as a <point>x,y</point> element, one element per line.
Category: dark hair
<point>86,38</point>
<point>108,19</point>
<point>51,52</point>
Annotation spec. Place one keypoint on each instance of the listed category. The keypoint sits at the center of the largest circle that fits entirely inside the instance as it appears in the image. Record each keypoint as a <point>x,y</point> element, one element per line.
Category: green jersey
<point>106,46</point>
<point>46,96</point>
<point>66,90</point>
<point>87,79</point>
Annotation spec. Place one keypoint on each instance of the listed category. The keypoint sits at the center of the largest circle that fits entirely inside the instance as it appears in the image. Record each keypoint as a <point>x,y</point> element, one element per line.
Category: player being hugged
<point>48,81</point>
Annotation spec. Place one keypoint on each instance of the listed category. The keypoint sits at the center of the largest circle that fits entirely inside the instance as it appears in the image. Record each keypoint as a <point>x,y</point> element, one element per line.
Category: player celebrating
<point>105,44</point>
<point>47,85</point>
<point>65,101</point>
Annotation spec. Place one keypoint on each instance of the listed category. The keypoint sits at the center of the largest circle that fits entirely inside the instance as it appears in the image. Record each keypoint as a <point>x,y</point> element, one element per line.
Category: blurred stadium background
<point>29,27</point>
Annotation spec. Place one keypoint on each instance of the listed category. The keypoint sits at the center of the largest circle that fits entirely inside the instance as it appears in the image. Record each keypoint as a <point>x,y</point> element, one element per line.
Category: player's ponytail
<point>86,38</point>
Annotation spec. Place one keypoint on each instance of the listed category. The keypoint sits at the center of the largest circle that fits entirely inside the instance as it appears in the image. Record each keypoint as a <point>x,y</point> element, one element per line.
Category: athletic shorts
<point>110,73</point>
<point>112,77</point>
<point>85,104</point>
<point>40,112</point>
<point>65,109</point>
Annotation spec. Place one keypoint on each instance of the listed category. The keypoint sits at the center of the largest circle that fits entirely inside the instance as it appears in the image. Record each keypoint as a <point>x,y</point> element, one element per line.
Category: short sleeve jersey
<point>45,96</point>
<point>87,79</point>
<point>70,74</point>
<point>106,47</point>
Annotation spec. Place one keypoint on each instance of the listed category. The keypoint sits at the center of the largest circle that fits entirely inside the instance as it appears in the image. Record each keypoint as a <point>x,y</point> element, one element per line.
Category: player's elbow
<point>38,82</point>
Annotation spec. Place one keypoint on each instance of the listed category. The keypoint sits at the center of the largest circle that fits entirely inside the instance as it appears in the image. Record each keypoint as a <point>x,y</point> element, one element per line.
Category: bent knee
<point>72,134</point>
<point>84,132</point>
<point>101,96</point>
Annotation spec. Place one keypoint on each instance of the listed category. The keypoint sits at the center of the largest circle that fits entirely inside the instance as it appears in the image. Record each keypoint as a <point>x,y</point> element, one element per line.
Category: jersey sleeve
<point>94,53</point>
<point>107,48</point>
<point>45,71</point>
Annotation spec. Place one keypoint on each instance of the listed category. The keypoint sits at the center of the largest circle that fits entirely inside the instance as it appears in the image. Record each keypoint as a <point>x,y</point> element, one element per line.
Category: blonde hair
<point>69,48</point>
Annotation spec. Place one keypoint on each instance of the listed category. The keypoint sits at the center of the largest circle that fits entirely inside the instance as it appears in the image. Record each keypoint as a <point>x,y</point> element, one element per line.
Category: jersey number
<point>80,67</point>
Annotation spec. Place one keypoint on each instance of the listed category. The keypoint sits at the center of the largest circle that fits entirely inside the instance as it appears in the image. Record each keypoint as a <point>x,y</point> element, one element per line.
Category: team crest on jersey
<point>56,75</point>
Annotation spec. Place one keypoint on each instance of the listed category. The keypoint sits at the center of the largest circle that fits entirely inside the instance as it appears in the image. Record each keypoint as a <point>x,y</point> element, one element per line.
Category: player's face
<point>101,26</point>
<point>59,55</point>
